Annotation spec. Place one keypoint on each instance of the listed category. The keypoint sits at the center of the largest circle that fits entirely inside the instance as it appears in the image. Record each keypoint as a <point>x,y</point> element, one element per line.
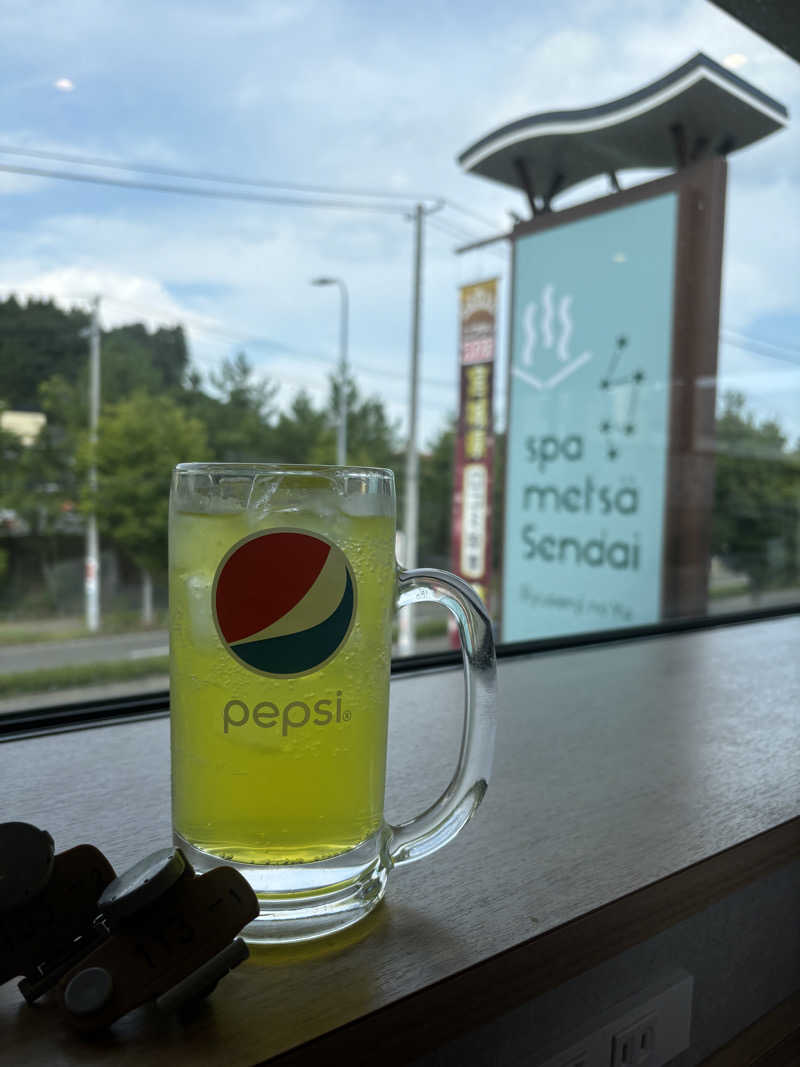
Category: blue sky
<point>350,94</point>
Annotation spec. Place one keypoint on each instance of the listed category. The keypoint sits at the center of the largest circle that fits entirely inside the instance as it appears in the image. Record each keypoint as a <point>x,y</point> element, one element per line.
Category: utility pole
<point>92,569</point>
<point>341,426</point>
<point>406,635</point>
<point>341,429</point>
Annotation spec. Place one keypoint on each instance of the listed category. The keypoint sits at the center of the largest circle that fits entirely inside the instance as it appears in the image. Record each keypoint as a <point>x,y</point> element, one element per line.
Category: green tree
<point>307,434</point>
<point>236,386</point>
<point>436,499</point>
<point>372,438</point>
<point>140,440</point>
<point>302,434</point>
<point>134,358</point>
<point>37,341</point>
<point>756,497</point>
<point>11,449</point>
<point>239,418</point>
<point>44,366</point>
<point>498,502</point>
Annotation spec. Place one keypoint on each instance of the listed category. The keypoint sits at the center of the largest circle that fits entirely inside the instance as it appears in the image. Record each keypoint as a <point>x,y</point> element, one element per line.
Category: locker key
<point>48,906</point>
<point>105,945</point>
<point>171,938</point>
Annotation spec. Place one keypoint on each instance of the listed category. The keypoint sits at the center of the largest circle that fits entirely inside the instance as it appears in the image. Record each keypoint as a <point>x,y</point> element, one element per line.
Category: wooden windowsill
<point>634,784</point>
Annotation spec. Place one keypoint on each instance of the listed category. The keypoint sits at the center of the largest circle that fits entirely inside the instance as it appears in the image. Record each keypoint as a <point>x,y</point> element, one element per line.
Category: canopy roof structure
<point>698,109</point>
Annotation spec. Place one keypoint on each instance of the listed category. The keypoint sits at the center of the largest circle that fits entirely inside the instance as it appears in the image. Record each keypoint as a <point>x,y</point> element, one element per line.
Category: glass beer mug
<point>283,582</point>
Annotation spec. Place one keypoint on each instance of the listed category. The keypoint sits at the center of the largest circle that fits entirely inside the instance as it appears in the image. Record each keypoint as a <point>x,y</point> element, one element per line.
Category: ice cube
<point>261,494</point>
<point>202,630</point>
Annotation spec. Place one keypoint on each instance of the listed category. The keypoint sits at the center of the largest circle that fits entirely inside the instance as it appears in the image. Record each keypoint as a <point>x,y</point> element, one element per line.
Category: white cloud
<point>344,95</point>
<point>770,385</point>
<point>762,254</point>
<point>14,184</point>
<point>125,298</point>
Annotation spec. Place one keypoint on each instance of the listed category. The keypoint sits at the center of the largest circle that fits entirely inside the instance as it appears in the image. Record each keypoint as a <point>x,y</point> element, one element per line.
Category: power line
<point>436,383</point>
<point>759,347</point>
<point>452,229</point>
<point>363,368</point>
<point>212,176</point>
<point>755,345</point>
<point>214,194</point>
<point>469,211</point>
<point>231,179</point>
<point>457,234</point>
<point>279,346</point>
<point>302,381</point>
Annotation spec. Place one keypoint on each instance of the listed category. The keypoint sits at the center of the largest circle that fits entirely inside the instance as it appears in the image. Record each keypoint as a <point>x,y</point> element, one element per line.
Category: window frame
<point>117,710</point>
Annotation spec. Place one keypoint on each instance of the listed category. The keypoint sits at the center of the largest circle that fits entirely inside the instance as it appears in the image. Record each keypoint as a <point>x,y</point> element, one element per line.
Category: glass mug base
<point>304,901</point>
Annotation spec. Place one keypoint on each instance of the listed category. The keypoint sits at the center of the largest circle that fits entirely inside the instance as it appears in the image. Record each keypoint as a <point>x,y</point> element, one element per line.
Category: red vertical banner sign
<point>474,451</point>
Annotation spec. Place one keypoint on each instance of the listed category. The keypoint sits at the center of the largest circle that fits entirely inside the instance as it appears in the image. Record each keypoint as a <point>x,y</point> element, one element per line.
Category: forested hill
<point>158,410</point>
<point>39,341</point>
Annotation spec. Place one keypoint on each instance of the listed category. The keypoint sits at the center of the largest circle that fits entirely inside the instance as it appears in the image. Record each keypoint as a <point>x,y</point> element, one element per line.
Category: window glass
<point>213,204</point>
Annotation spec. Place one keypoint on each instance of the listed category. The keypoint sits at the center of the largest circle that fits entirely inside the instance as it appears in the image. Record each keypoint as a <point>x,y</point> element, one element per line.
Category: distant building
<point>27,425</point>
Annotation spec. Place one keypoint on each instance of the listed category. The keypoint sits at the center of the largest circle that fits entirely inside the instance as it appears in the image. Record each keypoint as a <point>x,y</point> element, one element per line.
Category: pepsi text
<point>293,716</point>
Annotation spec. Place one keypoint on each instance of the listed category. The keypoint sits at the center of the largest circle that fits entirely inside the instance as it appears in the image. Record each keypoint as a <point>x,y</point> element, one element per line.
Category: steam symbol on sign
<point>548,310</point>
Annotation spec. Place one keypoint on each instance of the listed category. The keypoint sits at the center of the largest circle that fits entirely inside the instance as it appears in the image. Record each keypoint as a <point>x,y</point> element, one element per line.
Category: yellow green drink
<point>280,655</point>
<point>282,587</point>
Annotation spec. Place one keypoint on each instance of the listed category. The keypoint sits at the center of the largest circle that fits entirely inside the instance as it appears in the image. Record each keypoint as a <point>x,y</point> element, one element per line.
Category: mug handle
<point>440,823</point>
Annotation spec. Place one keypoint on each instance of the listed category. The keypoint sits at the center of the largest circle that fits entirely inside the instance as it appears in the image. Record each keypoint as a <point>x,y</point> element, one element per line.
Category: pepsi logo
<point>284,601</point>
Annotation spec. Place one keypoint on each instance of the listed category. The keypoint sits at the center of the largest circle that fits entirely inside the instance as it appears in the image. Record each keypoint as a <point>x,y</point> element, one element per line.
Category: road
<point>41,656</point>
<point>133,646</point>
<point>33,657</point>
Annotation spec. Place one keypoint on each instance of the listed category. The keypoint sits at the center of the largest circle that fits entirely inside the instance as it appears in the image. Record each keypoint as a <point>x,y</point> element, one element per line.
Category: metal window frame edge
<point>16,726</point>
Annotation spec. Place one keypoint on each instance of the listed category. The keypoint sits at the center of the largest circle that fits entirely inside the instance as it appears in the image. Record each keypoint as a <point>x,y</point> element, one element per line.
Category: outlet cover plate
<point>669,1000</point>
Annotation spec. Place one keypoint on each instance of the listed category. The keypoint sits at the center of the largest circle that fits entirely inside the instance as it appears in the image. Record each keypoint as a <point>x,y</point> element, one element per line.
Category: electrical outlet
<point>646,1030</point>
<point>635,1046</point>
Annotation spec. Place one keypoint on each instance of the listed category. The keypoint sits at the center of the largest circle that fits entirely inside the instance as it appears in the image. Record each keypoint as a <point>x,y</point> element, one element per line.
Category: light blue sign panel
<point>588,422</point>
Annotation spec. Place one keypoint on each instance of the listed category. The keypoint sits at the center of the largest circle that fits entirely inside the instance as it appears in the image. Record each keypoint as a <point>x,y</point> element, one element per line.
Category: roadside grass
<point>124,670</point>
<point>81,674</point>
<point>30,634</point>
<point>723,592</point>
<point>758,598</point>
<point>44,680</point>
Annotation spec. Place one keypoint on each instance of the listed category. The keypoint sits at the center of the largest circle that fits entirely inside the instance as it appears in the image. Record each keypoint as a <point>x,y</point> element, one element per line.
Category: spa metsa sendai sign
<point>611,394</point>
<point>613,349</point>
<point>588,421</point>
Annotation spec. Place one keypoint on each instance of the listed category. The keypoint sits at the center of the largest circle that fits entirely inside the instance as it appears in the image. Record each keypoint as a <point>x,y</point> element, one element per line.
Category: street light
<point>341,435</point>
